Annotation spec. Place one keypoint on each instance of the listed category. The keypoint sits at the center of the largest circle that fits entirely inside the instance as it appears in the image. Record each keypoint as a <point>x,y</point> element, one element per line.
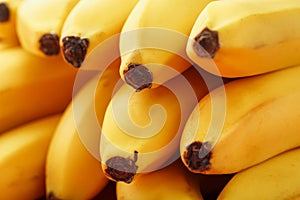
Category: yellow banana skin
<point>242,37</point>
<point>39,25</point>
<point>171,182</point>
<point>73,170</point>
<point>23,151</point>
<point>276,178</point>
<point>32,87</point>
<point>90,23</point>
<point>141,130</point>
<point>139,53</point>
<point>260,122</point>
<point>8,33</point>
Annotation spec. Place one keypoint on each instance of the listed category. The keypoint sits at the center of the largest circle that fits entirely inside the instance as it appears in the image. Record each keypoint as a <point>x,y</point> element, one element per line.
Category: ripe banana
<point>276,178</point>
<point>23,152</point>
<point>73,169</point>
<point>8,33</point>
<point>90,23</point>
<point>32,87</point>
<point>141,130</point>
<point>260,122</point>
<point>39,25</point>
<point>171,182</point>
<point>153,41</point>
<point>246,38</point>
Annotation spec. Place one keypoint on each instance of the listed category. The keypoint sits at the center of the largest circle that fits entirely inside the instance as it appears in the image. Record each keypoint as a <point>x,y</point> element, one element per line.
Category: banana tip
<point>197,156</point>
<point>206,43</point>
<point>138,76</point>
<point>74,49</point>
<point>121,169</point>
<point>49,44</point>
<point>4,12</point>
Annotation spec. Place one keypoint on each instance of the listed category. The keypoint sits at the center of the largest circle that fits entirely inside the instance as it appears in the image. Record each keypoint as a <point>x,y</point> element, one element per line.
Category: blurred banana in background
<point>23,152</point>
<point>32,87</point>
<point>275,178</point>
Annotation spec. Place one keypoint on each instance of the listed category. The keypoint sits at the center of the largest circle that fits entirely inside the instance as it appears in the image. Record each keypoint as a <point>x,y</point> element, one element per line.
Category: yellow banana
<point>90,23</point>
<point>32,87</point>
<point>246,38</point>
<point>153,41</point>
<point>276,178</point>
<point>39,25</point>
<point>73,169</point>
<point>171,182</point>
<point>8,33</point>
<point>23,151</point>
<point>141,130</point>
<point>260,121</point>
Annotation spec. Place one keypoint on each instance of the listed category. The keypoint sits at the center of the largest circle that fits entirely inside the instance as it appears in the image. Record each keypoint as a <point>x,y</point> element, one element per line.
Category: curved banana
<point>73,169</point>
<point>276,178</point>
<point>141,130</point>
<point>23,151</point>
<point>8,33</point>
<point>39,25</point>
<point>32,87</point>
<point>153,41</point>
<point>246,37</point>
<point>171,182</point>
<point>90,23</point>
<point>260,122</point>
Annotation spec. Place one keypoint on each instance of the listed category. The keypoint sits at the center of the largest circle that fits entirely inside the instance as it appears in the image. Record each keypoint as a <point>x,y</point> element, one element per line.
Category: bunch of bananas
<point>151,99</point>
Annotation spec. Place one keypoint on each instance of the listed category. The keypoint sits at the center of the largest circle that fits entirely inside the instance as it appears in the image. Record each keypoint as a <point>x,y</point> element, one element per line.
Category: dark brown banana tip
<point>75,49</point>
<point>121,169</point>
<point>49,44</point>
<point>4,12</point>
<point>138,76</point>
<point>197,156</point>
<point>51,196</point>
<point>207,40</point>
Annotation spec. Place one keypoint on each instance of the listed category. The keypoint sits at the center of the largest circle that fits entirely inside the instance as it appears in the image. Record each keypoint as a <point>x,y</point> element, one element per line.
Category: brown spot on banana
<point>207,40</point>
<point>49,44</point>
<point>4,12</point>
<point>121,169</point>
<point>138,76</point>
<point>75,49</point>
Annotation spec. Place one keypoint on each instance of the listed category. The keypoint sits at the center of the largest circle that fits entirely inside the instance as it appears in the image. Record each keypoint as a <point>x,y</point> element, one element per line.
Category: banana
<point>73,169</point>
<point>23,152</point>
<point>246,38</point>
<point>39,25</point>
<point>260,121</point>
<point>276,178</point>
<point>32,87</point>
<point>153,41</point>
<point>171,182</point>
<point>8,33</point>
<point>90,23</point>
<point>141,130</point>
